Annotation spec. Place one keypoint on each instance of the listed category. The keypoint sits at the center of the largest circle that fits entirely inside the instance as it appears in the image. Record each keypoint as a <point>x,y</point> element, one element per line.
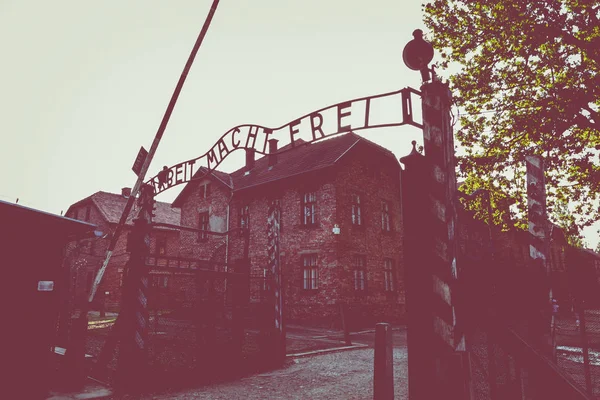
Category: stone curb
<point>325,351</point>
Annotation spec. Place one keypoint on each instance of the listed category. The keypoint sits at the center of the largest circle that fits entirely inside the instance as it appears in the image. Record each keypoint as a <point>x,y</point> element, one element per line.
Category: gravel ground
<point>341,375</point>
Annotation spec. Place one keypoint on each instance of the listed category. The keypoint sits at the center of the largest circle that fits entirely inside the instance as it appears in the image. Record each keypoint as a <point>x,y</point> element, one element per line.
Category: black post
<point>584,348</point>
<point>236,286</point>
<point>132,363</point>
<point>438,361</point>
<point>491,348</point>
<point>383,381</point>
<point>75,353</point>
<point>345,327</point>
<point>103,305</point>
<point>157,307</point>
<point>492,372</point>
<point>417,277</point>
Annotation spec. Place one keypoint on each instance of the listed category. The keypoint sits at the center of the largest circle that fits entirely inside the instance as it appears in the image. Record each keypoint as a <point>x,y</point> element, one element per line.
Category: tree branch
<point>595,115</point>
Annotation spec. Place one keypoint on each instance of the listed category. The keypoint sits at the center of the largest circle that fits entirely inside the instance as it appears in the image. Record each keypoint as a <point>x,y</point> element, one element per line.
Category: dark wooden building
<point>35,283</point>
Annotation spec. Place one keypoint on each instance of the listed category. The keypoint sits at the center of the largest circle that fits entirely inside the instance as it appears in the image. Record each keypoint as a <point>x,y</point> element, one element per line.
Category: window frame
<point>356,210</point>
<point>203,236</point>
<point>160,281</point>
<point>161,243</point>
<point>359,272</point>
<point>389,275</point>
<point>244,218</point>
<point>312,202</point>
<point>310,272</point>
<point>205,190</point>
<point>386,218</point>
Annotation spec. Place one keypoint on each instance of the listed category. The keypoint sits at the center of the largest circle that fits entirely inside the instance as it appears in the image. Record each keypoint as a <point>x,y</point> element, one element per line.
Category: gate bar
<point>157,138</point>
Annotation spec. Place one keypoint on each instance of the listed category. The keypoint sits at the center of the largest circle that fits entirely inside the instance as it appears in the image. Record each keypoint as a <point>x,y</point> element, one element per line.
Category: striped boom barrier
<point>273,250</point>
<point>439,150</point>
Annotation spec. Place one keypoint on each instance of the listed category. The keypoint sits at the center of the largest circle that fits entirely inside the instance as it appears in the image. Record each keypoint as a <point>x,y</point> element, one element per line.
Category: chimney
<point>249,159</point>
<point>272,152</point>
<point>126,192</point>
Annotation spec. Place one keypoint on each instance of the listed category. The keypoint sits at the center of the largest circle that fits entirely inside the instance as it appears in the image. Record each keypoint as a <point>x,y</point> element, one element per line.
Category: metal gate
<point>207,320</point>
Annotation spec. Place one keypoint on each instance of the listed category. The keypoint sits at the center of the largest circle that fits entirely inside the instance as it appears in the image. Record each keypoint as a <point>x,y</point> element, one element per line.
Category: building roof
<point>591,253</point>
<point>18,217</point>
<point>291,161</point>
<point>111,207</point>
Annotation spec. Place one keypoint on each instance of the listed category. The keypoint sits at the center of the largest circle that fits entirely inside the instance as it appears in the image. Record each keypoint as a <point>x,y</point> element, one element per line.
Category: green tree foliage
<point>528,82</point>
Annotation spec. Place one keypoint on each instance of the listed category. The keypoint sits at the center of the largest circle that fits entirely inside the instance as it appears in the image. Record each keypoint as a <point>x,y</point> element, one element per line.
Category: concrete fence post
<point>383,380</point>
<point>345,327</point>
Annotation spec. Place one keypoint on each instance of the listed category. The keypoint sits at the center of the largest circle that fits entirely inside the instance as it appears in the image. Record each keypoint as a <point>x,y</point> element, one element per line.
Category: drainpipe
<point>227,238</point>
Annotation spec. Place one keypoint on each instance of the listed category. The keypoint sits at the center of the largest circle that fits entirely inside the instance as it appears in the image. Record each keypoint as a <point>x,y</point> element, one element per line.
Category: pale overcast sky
<point>84,84</point>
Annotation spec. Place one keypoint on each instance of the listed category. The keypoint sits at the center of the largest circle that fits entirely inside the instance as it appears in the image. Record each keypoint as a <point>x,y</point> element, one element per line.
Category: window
<point>87,213</point>
<point>389,275</point>
<point>385,216</point>
<point>309,208</point>
<point>310,272</point>
<point>265,285</point>
<point>356,212</point>
<point>244,217</point>
<point>360,275</point>
<point>203,226</point>
<point>161,245</point>
<point>205,191</point>
<point>74,214</point>
<point>161,281</point>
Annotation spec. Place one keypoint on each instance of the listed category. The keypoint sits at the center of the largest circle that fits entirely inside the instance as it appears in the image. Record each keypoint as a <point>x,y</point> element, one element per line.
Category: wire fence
<point>577,334</point>
<point>202,326</point>
<point>522,346</point>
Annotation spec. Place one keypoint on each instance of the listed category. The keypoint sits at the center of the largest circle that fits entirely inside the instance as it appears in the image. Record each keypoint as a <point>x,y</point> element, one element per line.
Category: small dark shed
<point>34,282</point>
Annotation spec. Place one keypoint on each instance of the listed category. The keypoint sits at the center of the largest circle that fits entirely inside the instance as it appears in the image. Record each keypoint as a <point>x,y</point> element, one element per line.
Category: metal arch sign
<point>319,124</point>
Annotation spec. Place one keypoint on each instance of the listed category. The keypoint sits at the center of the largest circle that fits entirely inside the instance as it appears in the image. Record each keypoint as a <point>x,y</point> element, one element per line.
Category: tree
<point>528,82</point>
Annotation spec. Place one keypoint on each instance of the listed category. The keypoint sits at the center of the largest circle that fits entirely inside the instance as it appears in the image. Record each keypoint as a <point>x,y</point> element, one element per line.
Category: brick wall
<point>86,257</point>
<point>376,181</point>
<point>196,203</point>
<point>296,241</point>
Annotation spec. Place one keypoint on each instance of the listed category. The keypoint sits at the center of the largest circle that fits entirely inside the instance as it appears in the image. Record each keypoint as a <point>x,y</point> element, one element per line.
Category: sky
<point>84,84</point>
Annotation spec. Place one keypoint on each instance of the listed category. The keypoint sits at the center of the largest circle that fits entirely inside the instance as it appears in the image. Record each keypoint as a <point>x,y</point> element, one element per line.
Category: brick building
<point>348,182</point>
<point>85,257</point>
